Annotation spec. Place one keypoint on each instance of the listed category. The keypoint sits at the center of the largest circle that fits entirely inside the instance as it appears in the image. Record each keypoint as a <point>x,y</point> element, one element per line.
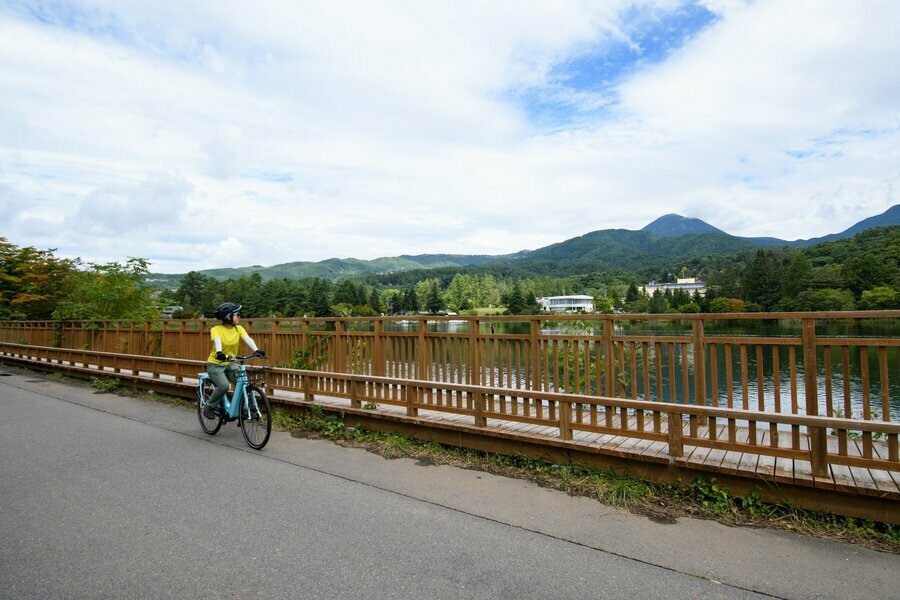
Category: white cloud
<point>157,202</point>
<point>302,131</point>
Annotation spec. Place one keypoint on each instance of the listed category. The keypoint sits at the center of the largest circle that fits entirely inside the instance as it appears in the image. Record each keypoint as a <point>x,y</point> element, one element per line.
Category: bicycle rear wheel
<point>256,418</point>
<point>204,391</point>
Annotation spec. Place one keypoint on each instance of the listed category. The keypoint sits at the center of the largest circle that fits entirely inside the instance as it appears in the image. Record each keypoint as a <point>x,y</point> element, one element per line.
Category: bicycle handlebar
<point>243,358</point>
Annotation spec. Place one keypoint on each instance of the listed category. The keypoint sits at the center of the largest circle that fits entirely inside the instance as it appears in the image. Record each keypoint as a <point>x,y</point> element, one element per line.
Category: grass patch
<point>705,498</point>
<point>106,384</point>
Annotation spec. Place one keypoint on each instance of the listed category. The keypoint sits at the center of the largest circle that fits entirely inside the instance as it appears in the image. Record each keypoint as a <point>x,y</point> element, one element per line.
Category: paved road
<point>104,496</point>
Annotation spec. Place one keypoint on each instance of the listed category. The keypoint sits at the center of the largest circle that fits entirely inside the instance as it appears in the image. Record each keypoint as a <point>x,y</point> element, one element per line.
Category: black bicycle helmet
<point>224,311</point>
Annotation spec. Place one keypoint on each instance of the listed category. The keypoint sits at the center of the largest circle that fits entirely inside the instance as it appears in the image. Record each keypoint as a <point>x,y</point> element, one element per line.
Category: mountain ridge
<point>669,236</point>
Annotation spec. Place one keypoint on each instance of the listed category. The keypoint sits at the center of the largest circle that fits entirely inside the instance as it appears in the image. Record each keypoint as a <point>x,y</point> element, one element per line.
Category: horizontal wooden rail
<point>674,424</point>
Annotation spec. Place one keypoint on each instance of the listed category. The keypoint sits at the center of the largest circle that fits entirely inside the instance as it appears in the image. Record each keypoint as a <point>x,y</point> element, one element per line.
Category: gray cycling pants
<point>221,376</point>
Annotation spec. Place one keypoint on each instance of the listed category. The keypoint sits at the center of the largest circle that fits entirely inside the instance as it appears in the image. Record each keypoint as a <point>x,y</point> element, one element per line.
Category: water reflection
<point>847,382</point>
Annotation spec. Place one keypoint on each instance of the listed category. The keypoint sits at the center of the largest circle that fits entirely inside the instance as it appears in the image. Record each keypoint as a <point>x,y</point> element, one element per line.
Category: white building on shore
<point>685,284</point>
<point>566,303</point>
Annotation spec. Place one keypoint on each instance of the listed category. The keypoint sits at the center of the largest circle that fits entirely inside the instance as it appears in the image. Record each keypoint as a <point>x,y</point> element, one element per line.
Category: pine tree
<point>433,301</point>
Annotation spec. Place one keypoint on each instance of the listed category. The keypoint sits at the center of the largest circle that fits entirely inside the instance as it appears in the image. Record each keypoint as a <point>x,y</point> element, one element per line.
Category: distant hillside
<point>889,217</point>
<point>670,238</point>
<point>676,225</point>
<point>621,249</point>
<point>336,268</point>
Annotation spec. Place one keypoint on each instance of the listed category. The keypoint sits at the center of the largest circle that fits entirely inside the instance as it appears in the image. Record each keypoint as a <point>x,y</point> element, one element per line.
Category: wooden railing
<point>835,365</point>
<point>672,425</point>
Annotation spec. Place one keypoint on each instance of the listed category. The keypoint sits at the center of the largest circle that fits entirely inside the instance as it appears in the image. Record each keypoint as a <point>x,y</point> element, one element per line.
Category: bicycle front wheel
<point>256,418</point>
<point>204,391</point>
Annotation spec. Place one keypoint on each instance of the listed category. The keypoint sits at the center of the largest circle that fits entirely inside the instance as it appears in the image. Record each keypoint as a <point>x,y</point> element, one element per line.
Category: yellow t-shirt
<point>231,340</point>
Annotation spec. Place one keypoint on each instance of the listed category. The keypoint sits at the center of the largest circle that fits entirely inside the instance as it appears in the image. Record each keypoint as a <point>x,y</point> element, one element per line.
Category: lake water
<point>850,328</point>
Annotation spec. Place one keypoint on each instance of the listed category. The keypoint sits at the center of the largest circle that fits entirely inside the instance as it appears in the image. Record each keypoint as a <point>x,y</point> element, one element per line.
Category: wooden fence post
<point>675,425</point>
<point>818,441</point>
<point>480,419</point>
<point>421,371</point>
<point>354,394</point>
<point>697,336</point>
<point>378,357</point>
<point>699,362</point>
<point>274,350</point>
<point>307,389</point>
<point>338,347</point>
<point>474,377</point>
<point>304,340</point>
<point>609,349</point>
<point>536,383</point>
<point>565,420</point>
<point>411,394</point>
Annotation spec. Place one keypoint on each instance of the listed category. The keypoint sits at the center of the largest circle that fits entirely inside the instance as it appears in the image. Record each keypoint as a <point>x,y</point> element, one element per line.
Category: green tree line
<point>36,284</point>
<point>862,272</point>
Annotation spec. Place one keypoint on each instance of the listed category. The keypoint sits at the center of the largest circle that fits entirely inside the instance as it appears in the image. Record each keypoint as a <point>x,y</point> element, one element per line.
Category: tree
<point>636,301</point>
<point>863,273</point>
<point>375,302</point>
<point>410,303</point>
<point>603,304</point>
<point>32,281</point>
<point>726,282</point>
<point>462,292</point>
<point>348,292</point>
<point>532,306</point>
<point>488,291</point>
<point>879,298</point>
<point>828,299</point>
<point>658,303</point>
<point>109,291</point>
<point>763,279</point>
<point>433,301</point>
<point>392,300</point>
<point>515,300</point>
<point>633,294</point>
<point>727,305</point>
<point>318,298</point>
<point>797,278</point>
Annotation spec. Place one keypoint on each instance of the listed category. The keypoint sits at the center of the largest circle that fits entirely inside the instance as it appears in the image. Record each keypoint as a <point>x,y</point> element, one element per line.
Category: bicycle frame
<point>233,405</point>
<point>247,404</point>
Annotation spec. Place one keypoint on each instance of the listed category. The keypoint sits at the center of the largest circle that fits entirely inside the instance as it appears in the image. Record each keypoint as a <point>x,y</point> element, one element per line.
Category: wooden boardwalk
<point>848,479</point>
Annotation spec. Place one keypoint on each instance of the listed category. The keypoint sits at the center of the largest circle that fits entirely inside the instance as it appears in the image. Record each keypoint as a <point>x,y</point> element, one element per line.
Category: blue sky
<point>199,137</point>
<point>583,86</point>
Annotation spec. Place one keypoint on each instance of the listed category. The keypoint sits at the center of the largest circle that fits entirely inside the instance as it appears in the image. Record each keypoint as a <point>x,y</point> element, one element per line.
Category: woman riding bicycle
<point>225,338</point>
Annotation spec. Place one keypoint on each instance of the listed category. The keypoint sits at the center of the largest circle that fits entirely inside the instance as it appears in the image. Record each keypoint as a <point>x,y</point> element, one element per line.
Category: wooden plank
<point>716,456</point>
<point>842,478</point>
<point>767,465</point>
<point>619,445</point>
<point>656,449</point>
<point>861,475</point>
<point>803,473</point>
<point>695,455</point>
<point>731,462</point>
<point>639,450</point>
<point>629,446</point>
<point>714,459</point>
<point>604,440</point>
<point>882,477</point>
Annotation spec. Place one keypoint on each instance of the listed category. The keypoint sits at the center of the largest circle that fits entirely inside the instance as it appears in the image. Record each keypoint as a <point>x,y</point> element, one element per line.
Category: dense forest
<point>862,272</point>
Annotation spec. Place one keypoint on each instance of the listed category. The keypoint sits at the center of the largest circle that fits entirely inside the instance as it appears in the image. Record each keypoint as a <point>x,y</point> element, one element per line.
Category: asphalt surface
<point>103,496</point>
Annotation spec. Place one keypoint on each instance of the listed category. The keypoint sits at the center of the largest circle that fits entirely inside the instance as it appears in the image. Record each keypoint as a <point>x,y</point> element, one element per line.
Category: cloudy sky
<point>206,134</point>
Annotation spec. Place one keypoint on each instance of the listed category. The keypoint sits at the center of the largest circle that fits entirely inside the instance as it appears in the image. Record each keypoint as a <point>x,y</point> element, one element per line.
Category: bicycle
<point>248,404</point>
